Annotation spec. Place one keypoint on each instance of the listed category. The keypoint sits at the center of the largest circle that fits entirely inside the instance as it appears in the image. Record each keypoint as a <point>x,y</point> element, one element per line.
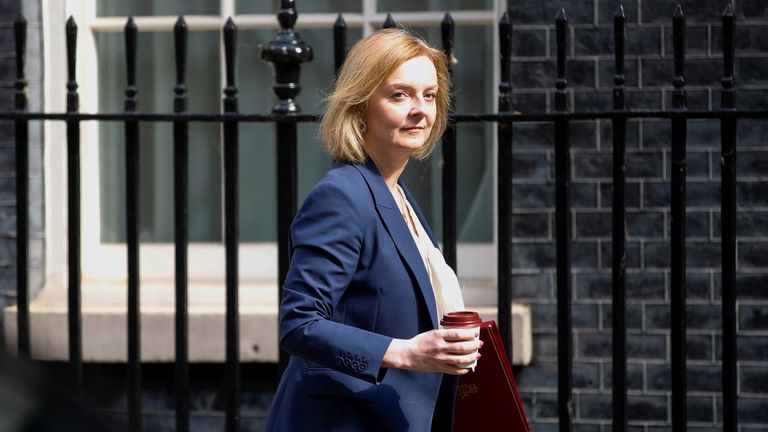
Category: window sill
<point>105,333</point>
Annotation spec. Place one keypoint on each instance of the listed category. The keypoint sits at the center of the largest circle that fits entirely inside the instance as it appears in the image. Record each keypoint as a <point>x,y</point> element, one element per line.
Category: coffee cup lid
<point>461,319</point>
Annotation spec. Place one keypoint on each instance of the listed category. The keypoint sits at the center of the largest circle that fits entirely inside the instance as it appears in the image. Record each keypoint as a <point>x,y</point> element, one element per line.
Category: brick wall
<point>649,85</point>
<point>8,13</point>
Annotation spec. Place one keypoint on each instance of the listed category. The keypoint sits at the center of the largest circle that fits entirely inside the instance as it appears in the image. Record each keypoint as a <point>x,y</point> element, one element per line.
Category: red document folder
<point>487,399</point>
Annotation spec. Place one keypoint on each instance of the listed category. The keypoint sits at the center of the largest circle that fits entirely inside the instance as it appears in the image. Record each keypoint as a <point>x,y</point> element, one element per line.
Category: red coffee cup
<point>463,320</point>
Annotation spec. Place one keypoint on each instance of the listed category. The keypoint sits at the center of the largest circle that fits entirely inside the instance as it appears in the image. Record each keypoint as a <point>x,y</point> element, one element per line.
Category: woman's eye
<point>430,96</point>
<point>399,95</point>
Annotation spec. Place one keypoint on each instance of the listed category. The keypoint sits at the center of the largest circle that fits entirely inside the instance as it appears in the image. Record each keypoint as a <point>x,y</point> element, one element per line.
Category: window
<point>101,76</point>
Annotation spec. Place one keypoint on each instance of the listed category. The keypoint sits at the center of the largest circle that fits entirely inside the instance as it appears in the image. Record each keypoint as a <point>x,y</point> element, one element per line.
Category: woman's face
<point>400,114</point>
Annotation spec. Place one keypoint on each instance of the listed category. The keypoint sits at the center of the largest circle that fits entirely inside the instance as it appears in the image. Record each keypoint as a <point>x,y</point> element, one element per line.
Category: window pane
<point>473,87</point>
<point>257,141</point>
<point>314,6</point>
<point>156,7</point>
<point>432,5</point>
<point>155,80</point>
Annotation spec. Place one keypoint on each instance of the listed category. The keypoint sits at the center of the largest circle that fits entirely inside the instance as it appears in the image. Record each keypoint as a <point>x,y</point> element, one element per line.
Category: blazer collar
<point>399,231</point>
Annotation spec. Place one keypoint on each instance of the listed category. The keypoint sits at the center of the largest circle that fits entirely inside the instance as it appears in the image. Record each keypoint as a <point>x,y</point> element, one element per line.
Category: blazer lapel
<point>398,230</point>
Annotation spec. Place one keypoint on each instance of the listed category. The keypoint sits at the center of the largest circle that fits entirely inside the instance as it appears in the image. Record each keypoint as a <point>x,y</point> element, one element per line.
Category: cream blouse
<point>445,284</point>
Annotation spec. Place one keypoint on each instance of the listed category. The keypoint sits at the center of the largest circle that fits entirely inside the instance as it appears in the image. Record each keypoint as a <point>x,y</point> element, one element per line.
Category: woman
<point>367,285</point>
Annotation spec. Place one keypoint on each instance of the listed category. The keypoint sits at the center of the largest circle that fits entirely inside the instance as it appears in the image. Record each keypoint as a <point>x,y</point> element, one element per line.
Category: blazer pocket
<point>330,382</point>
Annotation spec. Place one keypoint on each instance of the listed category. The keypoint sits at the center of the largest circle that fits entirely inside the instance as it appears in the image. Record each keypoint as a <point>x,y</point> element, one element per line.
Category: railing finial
<point>447,27</point>
<point>619,12</point>
<point>561,36</point>
<point>72,97</point>
<point>287,52</point>
<point>728,81</point>
<point>230,35</point>
<point>389,22</point>
<point>505,46</point>
<point>619,29</point>
<point>287,15</point>
<point>678,42</point>
<point>678,11</point>
<point>130,31</point>
<point>339,42</point>
<point>728,12</point>
<point>20,34</point>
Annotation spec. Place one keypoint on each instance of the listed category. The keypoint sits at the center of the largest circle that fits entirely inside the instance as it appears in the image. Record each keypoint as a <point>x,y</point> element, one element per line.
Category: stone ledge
<point>105,332</point>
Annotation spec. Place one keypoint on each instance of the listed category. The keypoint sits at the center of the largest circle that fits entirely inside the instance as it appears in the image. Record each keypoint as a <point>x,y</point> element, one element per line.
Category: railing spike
<point>180,23</point>
<point>504,19</point>
<point>180,51</point>
<point>728,12</point>
<point>447,27</point>
<point>505,47</point>
<point>561,15</point>
<point>340,22</point>
<point>678,44</point>
<point>339,42</point>
<point>130,31</point>
<point>230,34</point>
<point>20,34</point>
<point>230,24</point>
<point>619,30</point>
<point>71,39</point>
<point>447,19</point>
<point>389,22</point>
<point>728,51</point>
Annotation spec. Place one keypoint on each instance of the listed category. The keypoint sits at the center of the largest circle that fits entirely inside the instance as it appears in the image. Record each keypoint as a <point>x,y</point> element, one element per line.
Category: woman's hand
<point>446,351</point>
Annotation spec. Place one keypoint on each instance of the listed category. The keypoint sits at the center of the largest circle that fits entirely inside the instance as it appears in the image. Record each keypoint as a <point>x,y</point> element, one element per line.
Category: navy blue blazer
<point>356,281</point>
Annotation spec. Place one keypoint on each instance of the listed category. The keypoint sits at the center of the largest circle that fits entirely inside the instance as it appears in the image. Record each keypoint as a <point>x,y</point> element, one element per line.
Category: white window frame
<point>107,262</point>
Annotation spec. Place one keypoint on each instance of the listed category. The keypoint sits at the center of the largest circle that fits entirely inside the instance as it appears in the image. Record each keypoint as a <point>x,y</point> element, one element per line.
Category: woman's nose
<point>419,106</point>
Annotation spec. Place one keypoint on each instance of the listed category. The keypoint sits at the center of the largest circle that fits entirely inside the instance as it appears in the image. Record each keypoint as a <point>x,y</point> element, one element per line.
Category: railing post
<point>22,192</point>
<point>563,232</point>
<point>504,186</point>
<point>132,228</point>
<point>728,131</point>
<point>231,236</point>
<point>286,52</point>
<point>450,231</point>
<point>677,237</point>
<point>619,234</point>
<point>73,208</point>
<point>181,224</point>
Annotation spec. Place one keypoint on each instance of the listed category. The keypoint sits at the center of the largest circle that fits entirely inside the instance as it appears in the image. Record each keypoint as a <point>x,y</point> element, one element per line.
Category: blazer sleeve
<point>327,237</point>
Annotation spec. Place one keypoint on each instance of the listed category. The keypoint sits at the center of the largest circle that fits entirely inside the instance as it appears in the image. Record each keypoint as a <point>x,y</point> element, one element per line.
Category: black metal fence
<point>287,52</point>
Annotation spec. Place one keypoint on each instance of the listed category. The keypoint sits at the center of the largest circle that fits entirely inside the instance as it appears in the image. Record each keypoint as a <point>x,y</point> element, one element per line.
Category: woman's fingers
<point>437,351</point>
<point>464,347</point>
<point>460,334</point>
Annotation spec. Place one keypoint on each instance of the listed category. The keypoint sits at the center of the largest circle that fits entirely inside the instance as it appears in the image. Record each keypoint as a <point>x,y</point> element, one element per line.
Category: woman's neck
<point>390,166</point>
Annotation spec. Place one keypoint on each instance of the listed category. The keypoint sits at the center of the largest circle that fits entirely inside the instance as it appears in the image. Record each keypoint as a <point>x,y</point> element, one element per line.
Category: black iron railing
<point>287,52</point>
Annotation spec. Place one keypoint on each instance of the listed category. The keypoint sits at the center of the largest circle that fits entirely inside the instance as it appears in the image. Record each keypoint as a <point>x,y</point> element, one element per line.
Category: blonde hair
<point>368,64</point>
